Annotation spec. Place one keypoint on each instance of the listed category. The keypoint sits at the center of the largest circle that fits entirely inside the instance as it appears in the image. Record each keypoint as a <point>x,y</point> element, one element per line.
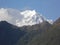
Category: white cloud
<point>10,15</point>
<point>4,15</point>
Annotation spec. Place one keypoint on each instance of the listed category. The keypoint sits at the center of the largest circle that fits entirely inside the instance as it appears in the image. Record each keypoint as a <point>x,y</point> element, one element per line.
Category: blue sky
<point>48,8</point>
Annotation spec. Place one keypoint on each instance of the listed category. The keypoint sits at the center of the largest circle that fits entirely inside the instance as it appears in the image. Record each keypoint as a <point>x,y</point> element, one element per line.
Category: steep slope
<point>9,34</point>
<point>57,21</point>
<point>42,37</point>
<point>33,32</point>
<point>51,37</point>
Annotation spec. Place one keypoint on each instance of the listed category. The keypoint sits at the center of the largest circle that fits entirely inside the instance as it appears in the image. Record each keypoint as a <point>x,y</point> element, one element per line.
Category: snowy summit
<point>21,18</point>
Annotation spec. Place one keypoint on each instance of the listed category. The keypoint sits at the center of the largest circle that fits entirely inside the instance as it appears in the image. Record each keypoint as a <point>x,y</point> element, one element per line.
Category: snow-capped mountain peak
<point>21,18</point>
<point>30,17</point>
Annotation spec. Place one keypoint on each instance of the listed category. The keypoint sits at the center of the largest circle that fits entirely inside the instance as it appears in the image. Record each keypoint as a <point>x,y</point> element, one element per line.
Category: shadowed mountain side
<point>9,34</point>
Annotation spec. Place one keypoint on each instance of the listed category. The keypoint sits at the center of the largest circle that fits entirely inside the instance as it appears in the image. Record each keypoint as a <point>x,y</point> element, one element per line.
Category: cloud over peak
<point>21,18</point>
<point>4,15</point>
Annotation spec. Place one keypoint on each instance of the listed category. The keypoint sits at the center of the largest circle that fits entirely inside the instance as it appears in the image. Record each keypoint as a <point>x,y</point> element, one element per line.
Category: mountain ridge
<point>21,18</point>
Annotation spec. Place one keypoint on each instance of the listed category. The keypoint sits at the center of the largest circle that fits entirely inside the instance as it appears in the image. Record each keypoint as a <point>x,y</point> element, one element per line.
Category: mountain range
<point>38,34</point>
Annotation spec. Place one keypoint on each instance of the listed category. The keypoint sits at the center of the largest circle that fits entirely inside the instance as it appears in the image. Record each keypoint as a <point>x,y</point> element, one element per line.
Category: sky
<point>48,8</point>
